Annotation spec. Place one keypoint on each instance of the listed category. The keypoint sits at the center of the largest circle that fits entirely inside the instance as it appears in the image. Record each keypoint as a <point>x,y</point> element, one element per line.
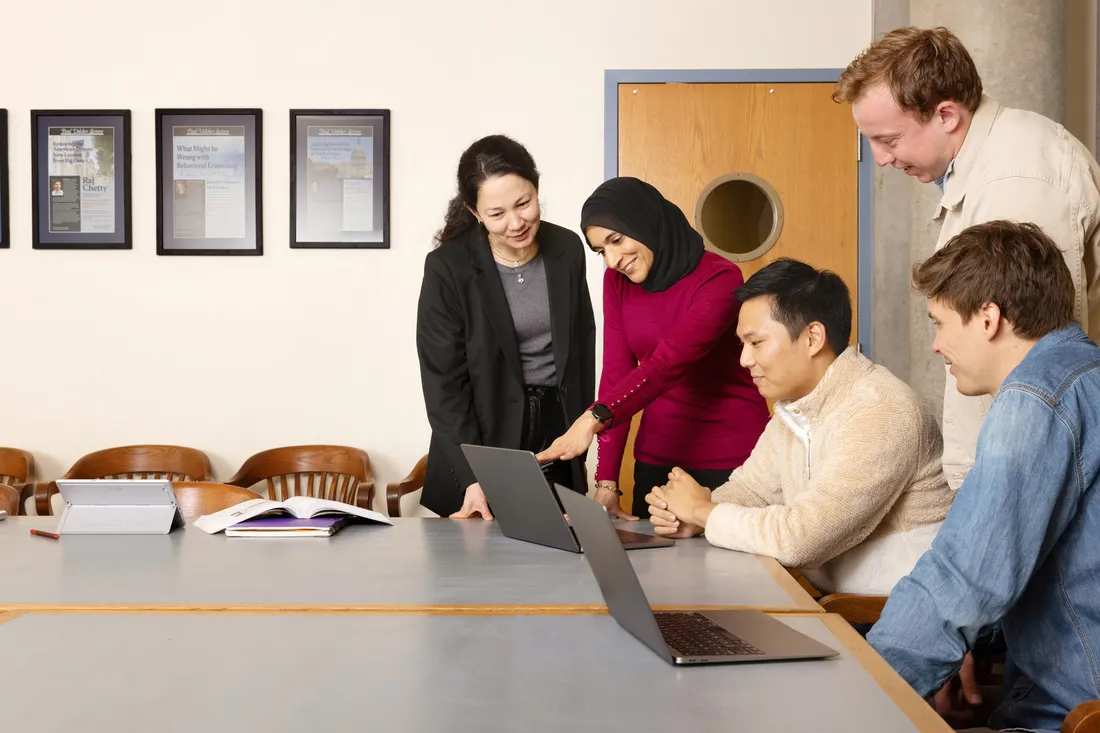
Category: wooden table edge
<point>803,601</point>
<point>919,712</point>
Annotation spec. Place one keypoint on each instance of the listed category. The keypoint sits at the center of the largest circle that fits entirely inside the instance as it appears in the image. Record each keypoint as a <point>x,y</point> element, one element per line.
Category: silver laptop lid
<point>520,498</point>
<point>615,575</point>
<point>118,506</point>
<point>117,492</point>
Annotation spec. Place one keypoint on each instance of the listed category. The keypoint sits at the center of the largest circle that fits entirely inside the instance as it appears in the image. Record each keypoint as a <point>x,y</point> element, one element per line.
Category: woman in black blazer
<point>504,328</point>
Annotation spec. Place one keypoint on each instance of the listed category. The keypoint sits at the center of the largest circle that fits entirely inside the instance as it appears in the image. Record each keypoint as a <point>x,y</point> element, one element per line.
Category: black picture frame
<point>204,126</point>
<point>320,193</point>
<point>44,208</point>
<point>5,198</point>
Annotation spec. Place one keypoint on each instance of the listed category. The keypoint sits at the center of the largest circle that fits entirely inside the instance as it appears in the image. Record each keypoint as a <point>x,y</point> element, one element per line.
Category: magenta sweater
<point>676,354</point>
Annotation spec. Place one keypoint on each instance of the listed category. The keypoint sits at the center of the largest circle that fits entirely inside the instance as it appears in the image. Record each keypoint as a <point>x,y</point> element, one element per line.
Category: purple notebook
<point>323,526</point>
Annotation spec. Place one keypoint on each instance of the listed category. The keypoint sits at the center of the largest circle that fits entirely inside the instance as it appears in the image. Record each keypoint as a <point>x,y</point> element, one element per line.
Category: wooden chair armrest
<point>364,494</point>
<point>1085,718</point>
<point>855,608</point>
<point>407,485</point>
<point>796,573</point>
<point>41,491</point>
<point>24,492</point>
<point>9,499</point>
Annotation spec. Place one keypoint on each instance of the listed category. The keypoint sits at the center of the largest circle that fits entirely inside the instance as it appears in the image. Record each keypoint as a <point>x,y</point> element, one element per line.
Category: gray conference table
<point>293,672</point>
<point>429,564</point>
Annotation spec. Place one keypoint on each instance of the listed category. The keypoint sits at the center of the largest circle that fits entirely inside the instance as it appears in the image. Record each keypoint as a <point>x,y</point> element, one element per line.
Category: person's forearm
<point>610,446</point>
<point>701,513</point>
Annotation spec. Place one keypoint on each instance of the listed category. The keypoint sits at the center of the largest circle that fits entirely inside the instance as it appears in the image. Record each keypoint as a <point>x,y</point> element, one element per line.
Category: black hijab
<point>633,207</point>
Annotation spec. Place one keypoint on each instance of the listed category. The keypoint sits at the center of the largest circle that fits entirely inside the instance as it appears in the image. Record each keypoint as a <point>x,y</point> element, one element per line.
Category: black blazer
<point>469,357</point>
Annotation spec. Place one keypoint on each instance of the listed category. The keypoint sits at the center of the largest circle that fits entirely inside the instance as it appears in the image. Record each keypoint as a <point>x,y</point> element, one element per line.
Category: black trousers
<point>543,423</point>
<point>646,476</point>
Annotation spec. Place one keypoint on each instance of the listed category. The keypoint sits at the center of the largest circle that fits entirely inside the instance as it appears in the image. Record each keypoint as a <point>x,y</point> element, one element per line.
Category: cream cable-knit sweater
<point>845,483</point>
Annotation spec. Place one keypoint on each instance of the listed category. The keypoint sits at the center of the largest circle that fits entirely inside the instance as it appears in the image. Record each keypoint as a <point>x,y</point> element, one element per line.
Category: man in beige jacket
<point>846,480</point>
<point>917,97</point>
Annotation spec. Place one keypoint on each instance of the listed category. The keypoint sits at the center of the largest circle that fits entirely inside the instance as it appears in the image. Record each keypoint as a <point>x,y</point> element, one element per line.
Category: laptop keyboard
<point>695,635</point>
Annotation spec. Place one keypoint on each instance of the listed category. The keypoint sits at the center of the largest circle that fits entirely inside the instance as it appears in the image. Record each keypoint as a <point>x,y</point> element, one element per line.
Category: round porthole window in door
<point>739,215</point>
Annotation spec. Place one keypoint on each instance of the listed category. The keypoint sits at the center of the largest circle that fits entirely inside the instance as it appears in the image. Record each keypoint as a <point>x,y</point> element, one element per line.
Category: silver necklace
<point>515,266</point>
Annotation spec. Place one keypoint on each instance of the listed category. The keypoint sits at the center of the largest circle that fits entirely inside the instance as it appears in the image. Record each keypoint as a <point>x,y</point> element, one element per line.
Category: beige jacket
<point>845,483</point>
<point>1020,166</point>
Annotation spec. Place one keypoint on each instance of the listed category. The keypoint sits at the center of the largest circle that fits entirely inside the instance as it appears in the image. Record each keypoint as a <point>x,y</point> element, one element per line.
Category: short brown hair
<point>921,66</point>
<point>1015,266</point>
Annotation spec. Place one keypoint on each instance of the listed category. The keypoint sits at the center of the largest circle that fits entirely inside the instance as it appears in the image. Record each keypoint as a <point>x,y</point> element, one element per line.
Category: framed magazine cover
<point>340,179</point>
<point>80,179</point>
<point>209,181</point>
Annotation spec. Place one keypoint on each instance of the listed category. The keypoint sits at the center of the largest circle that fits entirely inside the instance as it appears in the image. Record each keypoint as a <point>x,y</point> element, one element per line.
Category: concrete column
<point>1081,67</point>
<point>890,319</point>
<point>1019,47</point>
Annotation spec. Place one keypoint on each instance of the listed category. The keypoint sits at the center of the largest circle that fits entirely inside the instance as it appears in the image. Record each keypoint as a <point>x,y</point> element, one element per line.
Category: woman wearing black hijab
<point>670,347</point>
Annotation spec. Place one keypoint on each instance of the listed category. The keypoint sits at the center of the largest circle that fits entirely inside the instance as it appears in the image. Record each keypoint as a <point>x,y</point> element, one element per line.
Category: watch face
<point>602,413</point>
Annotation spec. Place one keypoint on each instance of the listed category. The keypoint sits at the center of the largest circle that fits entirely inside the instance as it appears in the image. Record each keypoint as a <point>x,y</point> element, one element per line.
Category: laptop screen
<point>615,575</point>
<point>521,500</point>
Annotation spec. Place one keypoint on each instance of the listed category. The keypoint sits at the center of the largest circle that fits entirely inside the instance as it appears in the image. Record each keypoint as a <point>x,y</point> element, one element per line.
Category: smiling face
<point>782,368</point>
<point>965,347</point>
<point>922,149</point>
<point>508,206</point>
<point>620,252</point>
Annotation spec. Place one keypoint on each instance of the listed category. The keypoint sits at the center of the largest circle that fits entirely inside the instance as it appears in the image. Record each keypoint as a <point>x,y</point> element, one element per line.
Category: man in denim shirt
<point>1021,543</point>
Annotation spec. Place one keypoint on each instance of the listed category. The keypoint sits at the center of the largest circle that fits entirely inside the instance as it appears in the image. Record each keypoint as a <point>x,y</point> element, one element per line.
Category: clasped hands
<point>679,508</point>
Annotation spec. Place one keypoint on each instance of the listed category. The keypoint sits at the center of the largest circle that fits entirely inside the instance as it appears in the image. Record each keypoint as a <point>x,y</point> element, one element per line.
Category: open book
<point>298,516</point>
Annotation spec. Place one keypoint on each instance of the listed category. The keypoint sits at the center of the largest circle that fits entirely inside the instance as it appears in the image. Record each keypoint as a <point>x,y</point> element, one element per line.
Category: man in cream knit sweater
<point>846,481</point>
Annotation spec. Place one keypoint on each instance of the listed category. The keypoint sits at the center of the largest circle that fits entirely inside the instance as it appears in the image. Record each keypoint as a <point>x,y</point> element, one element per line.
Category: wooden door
<point>682,137</point>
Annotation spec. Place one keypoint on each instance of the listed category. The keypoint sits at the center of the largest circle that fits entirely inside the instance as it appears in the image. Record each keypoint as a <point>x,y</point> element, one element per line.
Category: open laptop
<point>679,637</point>
<point>525,505</point>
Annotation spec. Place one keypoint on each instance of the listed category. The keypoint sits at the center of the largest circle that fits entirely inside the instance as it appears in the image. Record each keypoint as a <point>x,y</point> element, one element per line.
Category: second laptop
<point>525,505</point>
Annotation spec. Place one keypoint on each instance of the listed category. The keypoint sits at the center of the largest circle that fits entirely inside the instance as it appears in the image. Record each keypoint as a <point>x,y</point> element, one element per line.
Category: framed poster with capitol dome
<point>340,179</point>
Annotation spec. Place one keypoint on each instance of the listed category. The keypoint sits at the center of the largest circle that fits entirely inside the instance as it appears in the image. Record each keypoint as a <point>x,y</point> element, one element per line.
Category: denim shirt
<point>1020,546</point>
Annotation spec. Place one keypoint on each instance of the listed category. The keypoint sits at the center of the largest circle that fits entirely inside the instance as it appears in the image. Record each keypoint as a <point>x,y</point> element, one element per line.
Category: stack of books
<point>298,516</point>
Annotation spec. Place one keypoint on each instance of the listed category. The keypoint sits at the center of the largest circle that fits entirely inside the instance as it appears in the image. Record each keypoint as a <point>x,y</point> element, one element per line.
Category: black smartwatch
<point>602,412</point>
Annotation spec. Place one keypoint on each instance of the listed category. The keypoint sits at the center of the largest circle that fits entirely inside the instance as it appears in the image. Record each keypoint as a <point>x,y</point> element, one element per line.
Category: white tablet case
<point>110,506</point>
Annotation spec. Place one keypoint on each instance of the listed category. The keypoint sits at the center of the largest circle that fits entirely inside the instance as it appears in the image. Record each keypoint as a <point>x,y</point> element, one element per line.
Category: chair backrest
<point>9,500</point>
<point>171,462</point>
<point>197,498</point>
<point>16,466</point>
<point>324,471</point>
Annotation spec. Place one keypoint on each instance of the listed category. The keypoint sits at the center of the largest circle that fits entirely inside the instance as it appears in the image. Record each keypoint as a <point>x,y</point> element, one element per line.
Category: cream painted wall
<point>236,355</point>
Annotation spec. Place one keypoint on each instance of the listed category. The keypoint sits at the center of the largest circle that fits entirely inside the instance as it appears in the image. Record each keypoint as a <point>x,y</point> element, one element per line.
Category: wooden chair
<point>16,471</point>
<point>9,499</point>
<point>407,485</point>
<point>1085,718</point>
<point>198,498</point>
<point>325,471</point>
<point>854,608</point>
<point>171,462</point>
